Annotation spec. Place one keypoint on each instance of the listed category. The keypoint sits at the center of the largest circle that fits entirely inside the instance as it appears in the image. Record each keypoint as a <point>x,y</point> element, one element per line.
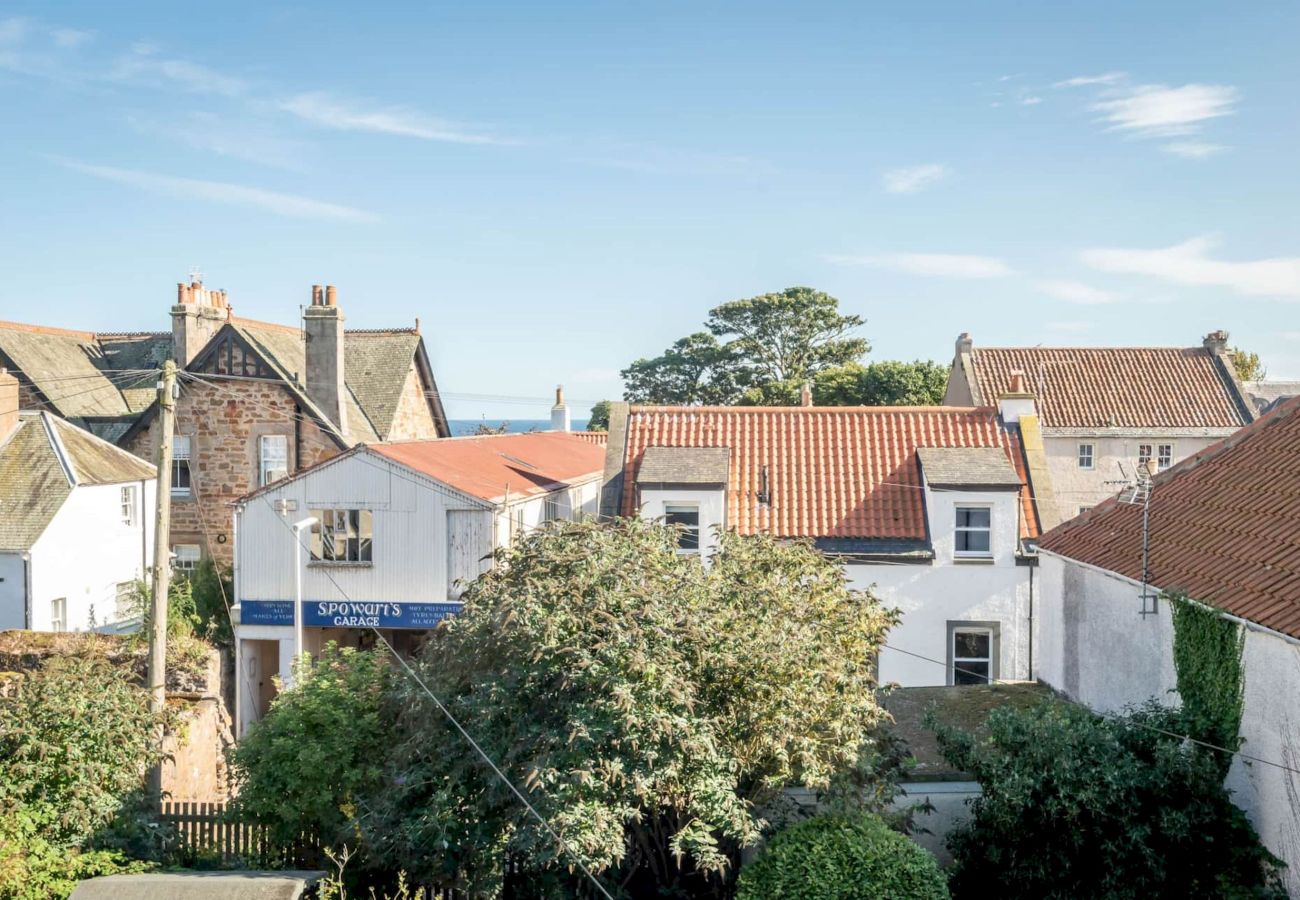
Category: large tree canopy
<point>919,383</point>
<point>695,369</point>
<point>648,705</point>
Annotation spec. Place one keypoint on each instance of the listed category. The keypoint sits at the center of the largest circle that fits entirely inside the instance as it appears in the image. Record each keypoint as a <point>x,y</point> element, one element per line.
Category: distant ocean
<point>468,426</point>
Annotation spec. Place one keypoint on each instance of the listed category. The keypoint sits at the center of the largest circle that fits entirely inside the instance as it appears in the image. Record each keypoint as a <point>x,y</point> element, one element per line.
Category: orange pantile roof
<point>592,437</point>
<point>1115,387</point>
<point>491,467</point>
<point>1225,525</point>
<point>832,472</point>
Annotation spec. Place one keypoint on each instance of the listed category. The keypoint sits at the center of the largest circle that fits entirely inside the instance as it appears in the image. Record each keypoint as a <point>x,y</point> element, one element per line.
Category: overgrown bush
<point>76,737</point>
<point>1079,806</point>
<point>211,590</point>
<point>842,858</point>
<point>319,749</point>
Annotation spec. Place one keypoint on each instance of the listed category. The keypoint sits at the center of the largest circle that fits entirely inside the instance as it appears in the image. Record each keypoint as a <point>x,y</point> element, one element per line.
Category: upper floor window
<point>128,505</point>
<point>181,466</point>
<point>272,458</point>
<point>688,519</point>
<point>185,558</point>
<point>973,531</point>
<point>1144,453</point>
<point>1165,455</point>
<point>1085,456</point>
<point>342,535</point>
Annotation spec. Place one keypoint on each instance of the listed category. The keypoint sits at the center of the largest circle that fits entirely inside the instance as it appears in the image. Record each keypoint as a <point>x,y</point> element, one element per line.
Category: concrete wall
<point>86,552</point>
<point>1075,487</point>
<point>1097,649</point>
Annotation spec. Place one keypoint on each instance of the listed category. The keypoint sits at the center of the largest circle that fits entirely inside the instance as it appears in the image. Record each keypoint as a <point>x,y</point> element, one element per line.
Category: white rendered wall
<point>86,551</point>
<point>1075,487</point>
<point>1097,649</point>
<point>712,505</point>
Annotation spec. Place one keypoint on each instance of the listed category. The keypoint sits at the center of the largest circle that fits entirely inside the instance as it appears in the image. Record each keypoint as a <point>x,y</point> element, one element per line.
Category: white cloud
<point>1188,263</point>
<point>143,65</point>
<point>911,179</point>
<point>1086,80</point>
<point>69,38</point>
<point>1193,149</point>
<point>225,193</point>
<point>1031,100</point>
<point>1154,110</point>
<point>1077,292</point>
<point>229,137</point>
<point>321,109</point>
<point>940,265</point>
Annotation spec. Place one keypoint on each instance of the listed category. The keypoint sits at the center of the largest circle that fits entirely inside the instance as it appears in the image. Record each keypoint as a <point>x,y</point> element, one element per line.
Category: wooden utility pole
<point>162,568</point>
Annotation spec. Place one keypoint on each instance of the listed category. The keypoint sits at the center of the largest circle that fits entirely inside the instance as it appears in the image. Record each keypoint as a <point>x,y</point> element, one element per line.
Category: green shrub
<point>211,589</point>
<point>1077,806</point>
<point>842,858</point>
<point>34,868</point>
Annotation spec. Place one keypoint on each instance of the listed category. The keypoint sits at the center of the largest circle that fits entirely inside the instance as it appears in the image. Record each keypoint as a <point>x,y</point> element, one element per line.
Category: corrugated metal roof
<point>829,472</point>
<point>1224,526</point>
<point>491,466</point>
<point>1115,387</point>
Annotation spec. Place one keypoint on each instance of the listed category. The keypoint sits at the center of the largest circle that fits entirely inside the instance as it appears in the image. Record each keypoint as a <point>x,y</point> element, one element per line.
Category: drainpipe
<point>144,532</point>
<point>1031,622</point>
<point>27,589</point>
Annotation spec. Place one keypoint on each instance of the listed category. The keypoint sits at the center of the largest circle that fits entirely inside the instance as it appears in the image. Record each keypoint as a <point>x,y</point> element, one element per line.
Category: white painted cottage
<point>1224,529</point>
<point>932,506</point>
<point>76,524</point>
<point>399,528</point>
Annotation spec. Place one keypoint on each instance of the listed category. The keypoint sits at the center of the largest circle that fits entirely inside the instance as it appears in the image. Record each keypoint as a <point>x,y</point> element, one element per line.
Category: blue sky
<point>556,189</point>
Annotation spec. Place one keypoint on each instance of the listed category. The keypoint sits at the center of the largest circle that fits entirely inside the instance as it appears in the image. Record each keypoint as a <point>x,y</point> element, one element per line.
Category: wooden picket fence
<point>205,831</point>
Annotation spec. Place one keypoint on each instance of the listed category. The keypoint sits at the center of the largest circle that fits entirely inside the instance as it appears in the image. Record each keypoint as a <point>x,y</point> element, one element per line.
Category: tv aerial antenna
<point>1137,492</point>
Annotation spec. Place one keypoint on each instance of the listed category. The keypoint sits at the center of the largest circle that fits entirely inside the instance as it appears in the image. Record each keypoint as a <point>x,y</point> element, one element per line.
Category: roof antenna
<point>196,274</point>
<point>1139,492</point>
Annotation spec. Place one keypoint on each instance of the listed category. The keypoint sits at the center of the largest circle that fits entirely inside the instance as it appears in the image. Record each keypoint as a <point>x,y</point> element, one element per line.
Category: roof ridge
<point>48,329</point>
<point>1107,348</point>
<point>813,409</point>
<point>404,330</point>
<point>258,323</point>
<point>120,334</point>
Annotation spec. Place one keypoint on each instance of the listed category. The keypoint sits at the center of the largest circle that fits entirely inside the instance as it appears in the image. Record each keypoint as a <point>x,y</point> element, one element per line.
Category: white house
<point>933,507</point>
<point>1105,409</point>
<point>1224,529</point>
<point>399,529</point>
<point>76,524</point>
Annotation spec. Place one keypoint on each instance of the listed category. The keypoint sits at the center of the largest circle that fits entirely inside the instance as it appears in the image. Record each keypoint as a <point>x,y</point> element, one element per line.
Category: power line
<point>560,842</point>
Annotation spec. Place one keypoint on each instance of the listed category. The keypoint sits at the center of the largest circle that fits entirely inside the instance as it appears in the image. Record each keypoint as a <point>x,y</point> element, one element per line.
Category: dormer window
<point>973,533</point>
<point>686,517</point>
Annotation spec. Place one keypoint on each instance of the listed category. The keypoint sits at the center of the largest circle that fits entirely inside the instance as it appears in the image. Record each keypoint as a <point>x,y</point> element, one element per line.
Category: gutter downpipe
<point>27,588</point>
<point>1031,622</point>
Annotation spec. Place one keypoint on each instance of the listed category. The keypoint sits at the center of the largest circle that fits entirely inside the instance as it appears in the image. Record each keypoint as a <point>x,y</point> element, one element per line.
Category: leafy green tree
<point>319,749</point>
<point>694,370</point>
<point>599,418</point>
<point>647,705</point>
<point>842,858</point>
<point>211,590</point>
<point>1076,806</point>
<point>919,383</point>
<point>1248,366</point>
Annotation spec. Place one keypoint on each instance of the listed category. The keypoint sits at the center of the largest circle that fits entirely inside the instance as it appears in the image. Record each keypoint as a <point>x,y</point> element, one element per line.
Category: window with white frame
<point>185,558</point>
<point>272,458</point>
<point>342,536</point>
<point>551,506</point>
<point>59,614</point>
<point>128,505</point>
<point>1144,454</point>
<point>972,652</point>
<point>181,451</point>
<point>1165,455</point>
<point>973,532</point>
<point>126,600</point>
<point>1085,456</point>
<point>686,517</point>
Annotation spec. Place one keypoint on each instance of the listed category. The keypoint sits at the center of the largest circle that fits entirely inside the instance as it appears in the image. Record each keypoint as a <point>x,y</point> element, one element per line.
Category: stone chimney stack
<point>8,404</point>
<point>805,394</point>
<point>198,314</point>
<point>1016,401</point>
<point>323,325</point>
<point>1216,342</point>
<point>559,412</point>
<point>964,343</point>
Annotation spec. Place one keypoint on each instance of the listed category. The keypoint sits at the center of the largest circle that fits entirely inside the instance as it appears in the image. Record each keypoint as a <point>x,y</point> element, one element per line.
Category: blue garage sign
<point>347,613</point>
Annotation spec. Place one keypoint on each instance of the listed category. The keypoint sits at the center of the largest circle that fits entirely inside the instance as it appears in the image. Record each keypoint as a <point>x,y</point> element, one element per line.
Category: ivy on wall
<point>1211,679</point>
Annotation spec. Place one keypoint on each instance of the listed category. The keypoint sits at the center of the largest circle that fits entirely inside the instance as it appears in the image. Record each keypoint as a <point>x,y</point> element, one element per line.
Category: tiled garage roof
<point>831,472</point>
<point>1225,525</point>
<point>1116,387</point>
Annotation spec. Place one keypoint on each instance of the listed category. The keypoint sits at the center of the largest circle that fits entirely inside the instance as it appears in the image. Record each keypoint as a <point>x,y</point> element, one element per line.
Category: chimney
<point>8,404</point>
<point>1216,342</point>
<point>964,343</point>
<point>805,394</point>
<point>559,412</point>
<point>1016,401</point>
<point>198,314</point>
<point>323,326</point>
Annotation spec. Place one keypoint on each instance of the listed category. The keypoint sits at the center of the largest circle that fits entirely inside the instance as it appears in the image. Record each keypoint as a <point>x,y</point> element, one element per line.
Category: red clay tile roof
<point>1225,525</point>
<point>1115,387</point>
<point>592,437</point>
<point>833,472</point>
<point>489,466</point>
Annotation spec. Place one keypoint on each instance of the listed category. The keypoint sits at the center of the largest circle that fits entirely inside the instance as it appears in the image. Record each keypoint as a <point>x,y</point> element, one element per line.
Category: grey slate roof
<point>81,373</point>
<point>376,366</point>
<point>34,482</point>
<point>1268,394</point>
<point>968,467</point>
<point>684,465</point>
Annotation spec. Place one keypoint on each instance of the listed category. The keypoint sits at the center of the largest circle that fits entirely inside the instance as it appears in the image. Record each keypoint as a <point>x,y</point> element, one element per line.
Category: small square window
<point>128,505</point>
<point>1165,455</point>
<point>972,535</point>
<point>688,519</point>
<point>1085,456</point>
<point>342,535</point>
<point>181,486</point>
<point>185,558</point>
